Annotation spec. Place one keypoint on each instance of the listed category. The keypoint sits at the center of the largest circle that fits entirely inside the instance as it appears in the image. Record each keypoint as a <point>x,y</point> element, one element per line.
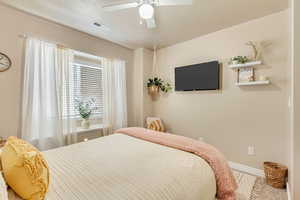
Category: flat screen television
<point>204,76</point>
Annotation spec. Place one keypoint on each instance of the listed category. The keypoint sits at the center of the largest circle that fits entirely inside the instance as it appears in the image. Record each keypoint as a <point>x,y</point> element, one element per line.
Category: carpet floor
<point>255,188</point>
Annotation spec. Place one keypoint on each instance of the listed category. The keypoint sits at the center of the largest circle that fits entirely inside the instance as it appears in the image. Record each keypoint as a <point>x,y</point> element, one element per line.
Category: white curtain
<point>46,72</point>
<point>115,98</point>
<point>65,59</point>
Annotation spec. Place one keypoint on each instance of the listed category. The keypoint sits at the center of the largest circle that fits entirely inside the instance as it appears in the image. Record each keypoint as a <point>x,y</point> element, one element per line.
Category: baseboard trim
<point>246,169</point>
<point>288,191</point>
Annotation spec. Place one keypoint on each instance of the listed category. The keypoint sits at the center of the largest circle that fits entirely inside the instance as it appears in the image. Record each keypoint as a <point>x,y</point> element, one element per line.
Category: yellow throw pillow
<point>156,125</point>
<point>25,170</point>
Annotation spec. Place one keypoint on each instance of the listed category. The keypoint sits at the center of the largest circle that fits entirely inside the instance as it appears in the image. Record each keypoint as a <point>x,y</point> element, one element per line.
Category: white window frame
<point>93,116</point>
<point>81,63</point>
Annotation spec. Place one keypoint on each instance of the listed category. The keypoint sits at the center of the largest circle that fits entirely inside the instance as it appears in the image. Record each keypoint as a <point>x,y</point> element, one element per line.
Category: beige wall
<point>148,69</point>
<point>138,86</point>
<point>235,117</point>
<point>291,114</point>
<point>143,59</point>
<point>296,91</point>
<point>14,23</point>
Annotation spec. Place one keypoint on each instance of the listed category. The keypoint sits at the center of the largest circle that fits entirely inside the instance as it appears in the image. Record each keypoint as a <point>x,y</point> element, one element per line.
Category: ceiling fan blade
<point>174,2</point>
<point>151,23</point>
<point>120,5</point>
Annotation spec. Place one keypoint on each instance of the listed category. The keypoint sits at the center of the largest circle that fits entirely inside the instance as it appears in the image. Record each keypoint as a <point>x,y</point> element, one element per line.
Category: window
<point>86,82</point>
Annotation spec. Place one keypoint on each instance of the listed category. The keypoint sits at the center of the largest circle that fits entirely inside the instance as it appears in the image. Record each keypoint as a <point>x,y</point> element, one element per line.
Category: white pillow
<point>3,188</point>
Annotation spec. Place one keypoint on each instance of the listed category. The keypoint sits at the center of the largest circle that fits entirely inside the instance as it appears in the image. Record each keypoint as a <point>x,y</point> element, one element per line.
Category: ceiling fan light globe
<point>146,11</point>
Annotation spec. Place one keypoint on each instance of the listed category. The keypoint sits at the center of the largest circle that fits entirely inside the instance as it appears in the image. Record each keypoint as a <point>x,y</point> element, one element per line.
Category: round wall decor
<point>5,62</point>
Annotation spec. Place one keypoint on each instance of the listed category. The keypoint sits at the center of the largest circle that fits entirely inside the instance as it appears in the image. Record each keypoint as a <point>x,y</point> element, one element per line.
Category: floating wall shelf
<point>246,65</point>
<point>253,83</point>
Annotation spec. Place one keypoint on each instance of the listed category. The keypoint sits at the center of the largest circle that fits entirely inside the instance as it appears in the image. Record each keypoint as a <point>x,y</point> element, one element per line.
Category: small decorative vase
<point>153,90</point>
<point>85,123</point>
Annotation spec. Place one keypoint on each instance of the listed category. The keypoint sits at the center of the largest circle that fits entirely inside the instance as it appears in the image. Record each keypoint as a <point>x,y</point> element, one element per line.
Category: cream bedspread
<point>120,167</point>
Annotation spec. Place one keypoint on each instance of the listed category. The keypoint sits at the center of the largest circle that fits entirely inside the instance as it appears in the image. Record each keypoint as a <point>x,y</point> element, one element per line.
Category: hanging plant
<point>155,84</point>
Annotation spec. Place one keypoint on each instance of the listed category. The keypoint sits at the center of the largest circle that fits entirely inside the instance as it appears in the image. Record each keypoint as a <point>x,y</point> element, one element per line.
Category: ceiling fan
<point>146,7</point>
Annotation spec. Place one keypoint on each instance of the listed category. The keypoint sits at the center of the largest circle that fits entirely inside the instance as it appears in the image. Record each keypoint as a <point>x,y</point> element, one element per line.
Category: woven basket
<point>276,174</point>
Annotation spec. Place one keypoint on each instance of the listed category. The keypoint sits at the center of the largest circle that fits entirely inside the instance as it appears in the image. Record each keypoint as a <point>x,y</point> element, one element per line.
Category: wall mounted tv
<point>204,76</point>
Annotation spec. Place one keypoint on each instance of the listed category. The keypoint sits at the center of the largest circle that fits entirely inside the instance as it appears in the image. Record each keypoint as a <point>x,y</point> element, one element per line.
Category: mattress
<point>120,167</point>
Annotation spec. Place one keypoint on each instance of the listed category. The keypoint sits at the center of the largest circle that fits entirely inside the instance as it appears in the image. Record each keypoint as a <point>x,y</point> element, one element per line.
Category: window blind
<point>85,83</point>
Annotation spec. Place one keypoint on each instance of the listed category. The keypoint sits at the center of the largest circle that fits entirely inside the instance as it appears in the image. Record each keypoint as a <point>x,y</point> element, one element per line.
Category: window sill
<point>93,127</point>
<point>77,117</point>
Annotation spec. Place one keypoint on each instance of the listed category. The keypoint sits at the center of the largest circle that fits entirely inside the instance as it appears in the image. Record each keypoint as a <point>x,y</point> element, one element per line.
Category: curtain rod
<point>58,45</point>
<point>79,53</point>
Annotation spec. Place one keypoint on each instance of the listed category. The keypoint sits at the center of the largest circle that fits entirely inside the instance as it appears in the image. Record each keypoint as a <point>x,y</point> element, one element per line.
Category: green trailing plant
<point>240,59</point>
<point>85,108</point>
<point>164,86</point>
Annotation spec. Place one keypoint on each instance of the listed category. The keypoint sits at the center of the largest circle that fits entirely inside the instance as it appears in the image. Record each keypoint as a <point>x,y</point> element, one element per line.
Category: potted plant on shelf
<point>155,84</point>
<point>85,109</point>
<point>239,60</point>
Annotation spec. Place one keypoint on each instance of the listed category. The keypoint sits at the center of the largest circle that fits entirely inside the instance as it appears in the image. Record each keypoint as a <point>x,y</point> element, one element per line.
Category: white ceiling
<point>175,23</point>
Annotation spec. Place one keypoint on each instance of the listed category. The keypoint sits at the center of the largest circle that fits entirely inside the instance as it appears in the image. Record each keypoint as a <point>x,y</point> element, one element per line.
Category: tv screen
<point>203,76</point>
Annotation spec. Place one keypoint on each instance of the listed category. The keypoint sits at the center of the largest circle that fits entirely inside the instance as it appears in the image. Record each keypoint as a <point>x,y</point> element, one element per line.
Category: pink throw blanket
<point>226,184</point>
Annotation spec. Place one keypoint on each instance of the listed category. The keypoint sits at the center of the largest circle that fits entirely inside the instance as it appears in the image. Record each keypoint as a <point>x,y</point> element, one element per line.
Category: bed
<point>121,167</point>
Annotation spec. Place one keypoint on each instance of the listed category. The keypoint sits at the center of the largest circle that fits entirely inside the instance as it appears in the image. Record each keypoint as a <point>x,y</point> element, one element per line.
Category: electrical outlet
<point>251,151</point>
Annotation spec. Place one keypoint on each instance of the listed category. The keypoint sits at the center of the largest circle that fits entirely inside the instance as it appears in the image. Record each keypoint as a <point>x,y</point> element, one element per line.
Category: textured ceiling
<point>175,23</point>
